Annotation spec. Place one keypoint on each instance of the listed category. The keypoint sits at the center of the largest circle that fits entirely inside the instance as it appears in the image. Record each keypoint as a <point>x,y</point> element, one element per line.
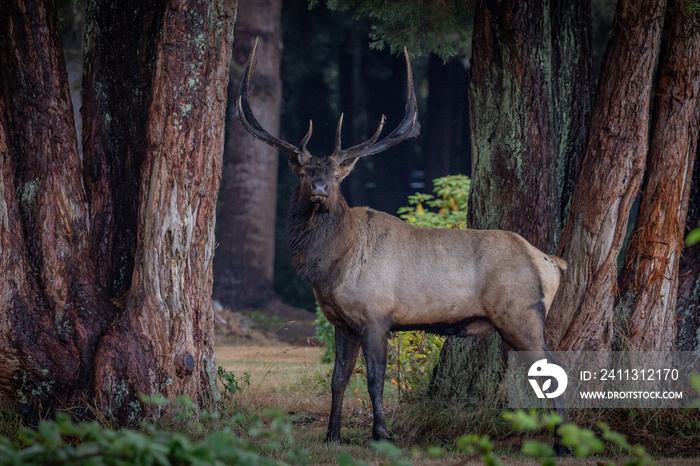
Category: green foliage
<point>63,442</point>
<point>583,442</point>
<point>326,335</point>
<point>442,27</point>
<point>480,445</point>
<point>412,356</point>
<point>693,236</point>
<point>232,386</point>
<point>449,204</point>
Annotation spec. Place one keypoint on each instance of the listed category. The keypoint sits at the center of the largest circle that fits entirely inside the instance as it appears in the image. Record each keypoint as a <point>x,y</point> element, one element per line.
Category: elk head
<point>320,177</point>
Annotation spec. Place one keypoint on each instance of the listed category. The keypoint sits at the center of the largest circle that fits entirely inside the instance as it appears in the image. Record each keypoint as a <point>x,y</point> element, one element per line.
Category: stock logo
<point>547,372</point>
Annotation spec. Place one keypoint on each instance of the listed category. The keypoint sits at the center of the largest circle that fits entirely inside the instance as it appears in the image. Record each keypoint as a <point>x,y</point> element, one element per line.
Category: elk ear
<point>295,162</point>
<point>348,164</point>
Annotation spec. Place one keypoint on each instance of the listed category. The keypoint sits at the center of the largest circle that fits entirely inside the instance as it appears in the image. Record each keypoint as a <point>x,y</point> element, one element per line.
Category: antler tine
<point>250,123</point>
<point>302,145</point>
<point>338,131</point>
<point>409,127</point>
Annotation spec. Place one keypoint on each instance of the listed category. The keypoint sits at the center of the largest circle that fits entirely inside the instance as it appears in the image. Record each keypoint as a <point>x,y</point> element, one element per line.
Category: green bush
<point>446,209</point>
<point>63,442</point>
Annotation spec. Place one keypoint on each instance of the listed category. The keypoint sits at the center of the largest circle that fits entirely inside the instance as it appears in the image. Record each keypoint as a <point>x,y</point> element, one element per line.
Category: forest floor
<point>289,376</point>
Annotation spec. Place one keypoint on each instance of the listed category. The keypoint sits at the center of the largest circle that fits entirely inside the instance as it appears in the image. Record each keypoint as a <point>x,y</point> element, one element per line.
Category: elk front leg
<point>374,347</point>
<point>347,346</point>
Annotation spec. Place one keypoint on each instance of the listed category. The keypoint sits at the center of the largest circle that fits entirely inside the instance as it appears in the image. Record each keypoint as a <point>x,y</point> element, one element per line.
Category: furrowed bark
<point>514,163</point>
<point>582,312</point>
<point>649,282</point>
<point>51,314</point>
<point>118,68</point>
<point>572,91</point>
<point>164,340</point>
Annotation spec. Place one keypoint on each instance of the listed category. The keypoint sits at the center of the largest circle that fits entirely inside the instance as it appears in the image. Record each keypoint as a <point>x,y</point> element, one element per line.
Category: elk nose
<point>320,187</point>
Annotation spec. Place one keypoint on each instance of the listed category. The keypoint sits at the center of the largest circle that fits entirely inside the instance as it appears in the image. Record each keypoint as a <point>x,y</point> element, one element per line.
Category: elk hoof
<point>380,433</point>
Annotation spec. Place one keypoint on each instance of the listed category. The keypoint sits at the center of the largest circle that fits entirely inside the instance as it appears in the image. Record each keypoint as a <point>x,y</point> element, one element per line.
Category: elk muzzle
<point>319,191</point>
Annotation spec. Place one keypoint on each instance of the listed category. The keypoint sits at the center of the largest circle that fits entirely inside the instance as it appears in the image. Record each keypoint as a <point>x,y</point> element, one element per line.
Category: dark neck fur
<point>311,234</point>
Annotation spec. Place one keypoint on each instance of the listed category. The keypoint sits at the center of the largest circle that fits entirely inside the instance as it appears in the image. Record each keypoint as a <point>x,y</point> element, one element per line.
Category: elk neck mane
<point>316,239</point>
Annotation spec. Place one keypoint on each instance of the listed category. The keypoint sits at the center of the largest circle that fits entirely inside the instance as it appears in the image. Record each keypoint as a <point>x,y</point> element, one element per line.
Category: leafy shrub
<point>63,442</point>
<point>412,356</point>
<point>232,386</point>
<point>449,204</point>
<point>326,334</point>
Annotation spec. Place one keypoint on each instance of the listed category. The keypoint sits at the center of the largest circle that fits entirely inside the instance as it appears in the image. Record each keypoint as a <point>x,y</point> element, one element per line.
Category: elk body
<point>373,273</point>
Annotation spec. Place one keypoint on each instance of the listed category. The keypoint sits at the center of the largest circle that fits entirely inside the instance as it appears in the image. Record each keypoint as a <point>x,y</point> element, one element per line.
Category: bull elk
<point>373,274</point>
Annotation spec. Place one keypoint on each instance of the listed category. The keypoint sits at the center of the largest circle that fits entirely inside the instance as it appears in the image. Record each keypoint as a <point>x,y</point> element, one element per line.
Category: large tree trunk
<point>245,257</point>
<point>649,282</point>
<point>572,91</point>
<point>164,340</point>
<point>148,192</point>
<point>514,162</point>
<point>581,315</point>
<point>51,312</point>
<point>118,71</point>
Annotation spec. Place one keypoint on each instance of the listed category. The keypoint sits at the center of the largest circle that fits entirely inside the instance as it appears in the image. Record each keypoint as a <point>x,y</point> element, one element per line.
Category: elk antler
<point>245,114</point>
<point>409,127</point>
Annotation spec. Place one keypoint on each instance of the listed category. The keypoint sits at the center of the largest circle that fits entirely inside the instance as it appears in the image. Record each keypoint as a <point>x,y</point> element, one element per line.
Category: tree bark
<point>51,312</point>
<point>612,169</point>
<point>514,163</point>
<point>649,282</point>
<point>118,71</point>
<point>245,257</point>
<point>572,91</point>
<point>164,341</point>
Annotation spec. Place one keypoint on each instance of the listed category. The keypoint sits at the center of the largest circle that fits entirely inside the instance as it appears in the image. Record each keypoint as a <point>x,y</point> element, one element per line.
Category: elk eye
<point>337,177</point>
<point>302,176</point>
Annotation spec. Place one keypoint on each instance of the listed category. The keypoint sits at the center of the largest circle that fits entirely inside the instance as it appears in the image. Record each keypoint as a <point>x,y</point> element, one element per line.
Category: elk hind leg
<point>527,334</point>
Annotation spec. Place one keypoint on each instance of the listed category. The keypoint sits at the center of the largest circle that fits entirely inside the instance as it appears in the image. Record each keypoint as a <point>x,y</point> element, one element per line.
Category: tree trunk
<point>245,256</point>
<point>164,341</point>
<point>51,312</point>
<point>118,71</point>
<point>649,282</point>
<point>65,228</point>
<point>514,165</point>
<point>572,91</point>
<point>612,169</point>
